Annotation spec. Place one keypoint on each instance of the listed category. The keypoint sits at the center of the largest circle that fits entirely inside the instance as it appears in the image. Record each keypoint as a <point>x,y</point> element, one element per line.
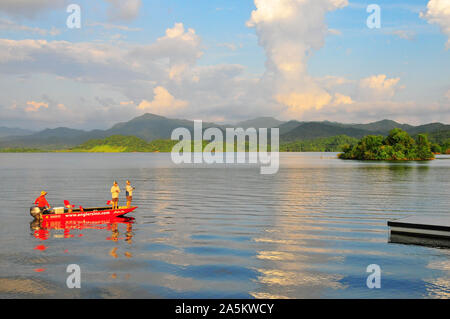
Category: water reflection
<point>417,240</point>
<point>43,229</point>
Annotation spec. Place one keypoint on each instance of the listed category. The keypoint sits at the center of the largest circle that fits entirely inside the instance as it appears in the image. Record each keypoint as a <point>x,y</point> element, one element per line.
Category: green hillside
<point>312,130</point>
<point>440,141</point>
<point>327,144</point>
<point>123,144</point>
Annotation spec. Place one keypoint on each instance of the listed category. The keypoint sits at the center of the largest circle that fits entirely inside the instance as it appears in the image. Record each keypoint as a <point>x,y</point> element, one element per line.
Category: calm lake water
<point>309,231</point>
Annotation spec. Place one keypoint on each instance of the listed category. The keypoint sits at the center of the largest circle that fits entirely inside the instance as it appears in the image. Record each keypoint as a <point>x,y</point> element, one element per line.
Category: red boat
<point>80,214</point>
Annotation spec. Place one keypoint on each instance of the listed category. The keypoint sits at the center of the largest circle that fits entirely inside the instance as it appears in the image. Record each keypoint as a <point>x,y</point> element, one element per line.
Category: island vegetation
<point>397,146</point>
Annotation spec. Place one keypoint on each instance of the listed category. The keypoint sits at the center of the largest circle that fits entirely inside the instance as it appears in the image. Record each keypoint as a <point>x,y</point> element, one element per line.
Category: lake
<point>309,231</point>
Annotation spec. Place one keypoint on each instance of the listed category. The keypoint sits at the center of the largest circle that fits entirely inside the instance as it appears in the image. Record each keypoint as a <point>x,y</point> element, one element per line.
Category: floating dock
<point>437,227</point>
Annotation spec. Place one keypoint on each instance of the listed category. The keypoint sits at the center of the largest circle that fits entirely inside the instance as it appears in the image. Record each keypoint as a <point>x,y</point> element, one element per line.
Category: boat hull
<point>89,215</point>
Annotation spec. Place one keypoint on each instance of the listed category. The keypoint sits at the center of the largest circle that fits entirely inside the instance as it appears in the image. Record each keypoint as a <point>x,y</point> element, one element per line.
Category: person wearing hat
<point>129,194</point>
<point>115,190</point>
<point>42,203</point>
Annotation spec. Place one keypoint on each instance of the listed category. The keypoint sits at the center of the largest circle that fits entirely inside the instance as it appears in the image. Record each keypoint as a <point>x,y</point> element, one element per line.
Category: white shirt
<point>130,190</point>
<point>115,190</point>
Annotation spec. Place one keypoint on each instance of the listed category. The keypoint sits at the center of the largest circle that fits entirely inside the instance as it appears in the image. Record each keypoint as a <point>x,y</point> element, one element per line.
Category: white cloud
<point>121,10</point>
<point>379,87</point>
<point>438,12</point>
<point>341,99</point>
<point>167,58</point>
<point>289,31</point>
<point>35,106</point>
<point>163,103</point>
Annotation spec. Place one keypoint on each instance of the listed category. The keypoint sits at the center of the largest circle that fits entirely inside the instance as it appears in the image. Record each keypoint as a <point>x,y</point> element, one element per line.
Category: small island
<point>397,146</point>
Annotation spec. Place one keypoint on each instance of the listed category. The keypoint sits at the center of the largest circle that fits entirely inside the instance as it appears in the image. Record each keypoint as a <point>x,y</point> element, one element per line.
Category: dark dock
<point>426,227</point>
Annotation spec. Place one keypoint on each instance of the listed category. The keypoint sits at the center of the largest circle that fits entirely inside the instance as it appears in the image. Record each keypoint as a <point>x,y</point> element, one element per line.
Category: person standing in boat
<point>115,190</point>
<point>42,203</point>
<point>129,194</point>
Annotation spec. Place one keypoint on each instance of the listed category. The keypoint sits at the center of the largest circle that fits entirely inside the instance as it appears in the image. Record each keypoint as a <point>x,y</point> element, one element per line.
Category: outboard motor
<point>35,211</point>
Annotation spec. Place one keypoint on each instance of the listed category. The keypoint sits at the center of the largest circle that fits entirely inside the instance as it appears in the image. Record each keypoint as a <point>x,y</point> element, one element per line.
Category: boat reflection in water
<point>42,229</point>
<point>50,230</point>
<point>396,238</point>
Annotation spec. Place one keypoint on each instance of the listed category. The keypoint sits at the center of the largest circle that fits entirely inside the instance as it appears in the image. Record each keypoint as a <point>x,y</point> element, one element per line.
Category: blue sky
<point>223,61</point>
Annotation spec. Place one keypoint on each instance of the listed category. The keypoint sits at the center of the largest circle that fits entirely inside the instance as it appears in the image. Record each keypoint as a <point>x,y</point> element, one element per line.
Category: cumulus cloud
<point>379,86</point>
<point>290,31</point>
<point>341,99</point>
<point>127,72</point>
<point>35,106</point>
<point>180,47</point>
<point>108,63</point>
<point>298,102</point>
<point>121,10</point>
<point>438,12</point>
<point>163,103</point>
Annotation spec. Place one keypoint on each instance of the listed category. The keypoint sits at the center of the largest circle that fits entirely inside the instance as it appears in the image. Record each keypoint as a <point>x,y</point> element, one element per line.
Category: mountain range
<point>152,127</point>
<point>8,131</point>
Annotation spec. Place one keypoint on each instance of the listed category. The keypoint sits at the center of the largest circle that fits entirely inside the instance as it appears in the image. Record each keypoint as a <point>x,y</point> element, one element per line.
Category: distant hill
<point>12,131</point>
<point>260,122</point>
<point>311,130</point>
<point>429,128</point>
<point>383,126</point>
<point>51,138</point>
<point>289,126</point>
<point>150,127</point>
<point>439,137</point>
